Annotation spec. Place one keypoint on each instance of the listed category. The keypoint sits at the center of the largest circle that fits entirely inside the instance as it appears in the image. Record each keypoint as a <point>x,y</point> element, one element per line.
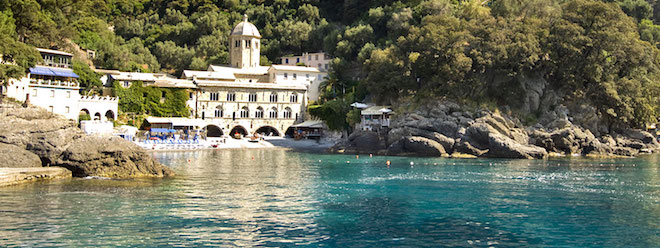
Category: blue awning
<point>162,130</point>
<point>42,71</point>
<point>64,73</point>
<point>53,72</point>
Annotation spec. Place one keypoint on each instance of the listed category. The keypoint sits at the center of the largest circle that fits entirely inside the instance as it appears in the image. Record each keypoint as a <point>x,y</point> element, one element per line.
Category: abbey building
<point>245,97</point>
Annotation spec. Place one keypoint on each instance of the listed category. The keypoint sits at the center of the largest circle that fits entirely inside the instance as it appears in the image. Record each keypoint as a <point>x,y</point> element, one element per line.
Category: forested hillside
<point>605,52</point>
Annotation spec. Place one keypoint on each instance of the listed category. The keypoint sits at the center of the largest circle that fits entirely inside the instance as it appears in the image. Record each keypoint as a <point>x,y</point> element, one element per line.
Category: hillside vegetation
<point>604,53</point>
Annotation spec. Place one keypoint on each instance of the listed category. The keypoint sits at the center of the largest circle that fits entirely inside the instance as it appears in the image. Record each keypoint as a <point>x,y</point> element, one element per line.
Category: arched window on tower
<point>259,113</point>
<point>247,43</point>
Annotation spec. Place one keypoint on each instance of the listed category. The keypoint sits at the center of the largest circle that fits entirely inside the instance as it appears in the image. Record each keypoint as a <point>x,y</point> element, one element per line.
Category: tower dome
<point>246,28</point>
<point>244,43</point>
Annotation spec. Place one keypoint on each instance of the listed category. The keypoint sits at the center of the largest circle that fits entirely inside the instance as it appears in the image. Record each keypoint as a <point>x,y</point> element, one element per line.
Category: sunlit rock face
<point>483,133</point>
<point>57,141</point>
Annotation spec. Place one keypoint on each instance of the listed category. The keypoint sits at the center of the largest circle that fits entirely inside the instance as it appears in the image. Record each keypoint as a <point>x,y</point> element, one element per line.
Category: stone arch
<point>97,116</point>
<point>84,112</point>
<point>238,129</point>
<point>213,131</point>
<point>290,132</point>
<point>109,115</point>
<point>267,130</point>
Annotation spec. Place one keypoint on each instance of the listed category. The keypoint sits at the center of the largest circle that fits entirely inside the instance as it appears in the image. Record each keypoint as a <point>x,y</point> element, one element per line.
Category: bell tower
<point>245,45</point>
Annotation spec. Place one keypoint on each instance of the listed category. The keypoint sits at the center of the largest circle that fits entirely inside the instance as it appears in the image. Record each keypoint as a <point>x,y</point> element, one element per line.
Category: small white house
<point>375,118</point>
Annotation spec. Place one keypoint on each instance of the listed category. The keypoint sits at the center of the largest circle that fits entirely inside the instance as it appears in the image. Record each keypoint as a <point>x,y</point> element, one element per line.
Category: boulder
<point>500,146</point>
<point>465,147</point>
<point>625,151</point>
<point>16,157</point>
<point>56,141</point>
<point>422,146</point>
<point>595,147</point>
<point>109,157</point>
<point>396,148</point>
<point>446,128</point>
<point>365,142</point>
<point>400,133</point>
<point>642,136</point>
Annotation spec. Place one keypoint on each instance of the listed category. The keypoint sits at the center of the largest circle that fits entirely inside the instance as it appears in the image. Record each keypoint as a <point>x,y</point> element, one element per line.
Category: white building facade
<point>247,98</point>
<point>319,60</point>
<point>54,86</point>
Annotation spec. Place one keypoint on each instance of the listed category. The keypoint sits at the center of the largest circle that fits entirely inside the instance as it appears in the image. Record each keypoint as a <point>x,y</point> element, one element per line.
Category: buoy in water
<point>412,163</point>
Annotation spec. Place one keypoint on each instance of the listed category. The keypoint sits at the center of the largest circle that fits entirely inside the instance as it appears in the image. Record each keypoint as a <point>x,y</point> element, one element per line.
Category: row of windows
<point>237,43</point>
<point>295,76</point>
<point>245,113</point>
<point>52,93</point>
<point>57,61</point>
<point>66,109</point>
<point>309,58</point>
<point>252,97</point>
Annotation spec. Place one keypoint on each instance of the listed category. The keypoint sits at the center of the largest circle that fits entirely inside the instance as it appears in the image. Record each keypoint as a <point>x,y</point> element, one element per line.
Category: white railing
<point>374,124</point>
<point>42,82</point>
<point>96,98</point>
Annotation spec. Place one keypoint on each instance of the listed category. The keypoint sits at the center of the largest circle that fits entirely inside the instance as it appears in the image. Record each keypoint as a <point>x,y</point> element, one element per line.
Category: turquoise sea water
<point>281,198</point>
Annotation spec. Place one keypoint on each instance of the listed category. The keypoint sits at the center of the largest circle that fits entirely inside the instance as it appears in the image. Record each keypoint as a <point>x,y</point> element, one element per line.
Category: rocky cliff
<point>447,129</point>
<point>33,137</point>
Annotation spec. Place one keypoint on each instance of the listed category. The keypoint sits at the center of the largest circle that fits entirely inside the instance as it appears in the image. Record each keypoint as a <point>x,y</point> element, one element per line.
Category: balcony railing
<point>54,83</point>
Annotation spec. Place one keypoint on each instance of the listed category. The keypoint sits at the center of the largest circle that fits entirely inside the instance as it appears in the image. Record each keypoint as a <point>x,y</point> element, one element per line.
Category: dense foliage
<point>15,57</point>
<point>602,52</point>
<point>153,101</point>
<point>589,50</point>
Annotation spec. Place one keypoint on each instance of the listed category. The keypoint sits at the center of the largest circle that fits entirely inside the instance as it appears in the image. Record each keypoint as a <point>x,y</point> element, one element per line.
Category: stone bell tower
<point>245,44</point>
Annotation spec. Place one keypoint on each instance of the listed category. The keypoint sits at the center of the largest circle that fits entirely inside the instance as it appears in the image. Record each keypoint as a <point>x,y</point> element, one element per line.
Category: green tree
<point>16,56</point>
<point>88,79</point>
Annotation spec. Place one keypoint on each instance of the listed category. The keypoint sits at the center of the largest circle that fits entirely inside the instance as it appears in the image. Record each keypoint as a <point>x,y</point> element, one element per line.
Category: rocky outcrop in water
<point>446,128</point>
<point>34,133</point>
